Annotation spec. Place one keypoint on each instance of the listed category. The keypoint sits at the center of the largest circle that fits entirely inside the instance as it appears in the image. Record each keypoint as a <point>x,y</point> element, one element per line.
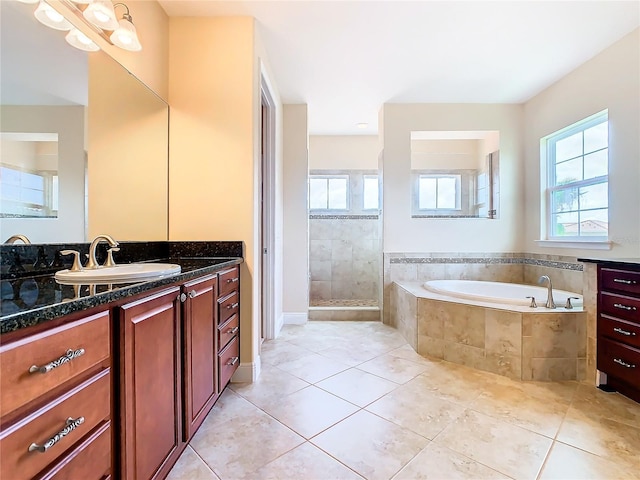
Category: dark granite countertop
<point>633,263</point>
<point>31,295</point>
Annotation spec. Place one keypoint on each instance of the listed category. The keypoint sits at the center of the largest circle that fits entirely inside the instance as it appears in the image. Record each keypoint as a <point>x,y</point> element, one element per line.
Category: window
<point>329,192</point>
<point>577,197</point>
<point>25,193</point>
<point>439,192</point>
<point>370,194</point>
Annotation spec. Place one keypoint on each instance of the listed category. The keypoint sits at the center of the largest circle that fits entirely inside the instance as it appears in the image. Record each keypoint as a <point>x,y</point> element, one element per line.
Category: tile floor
<point>351,400</point>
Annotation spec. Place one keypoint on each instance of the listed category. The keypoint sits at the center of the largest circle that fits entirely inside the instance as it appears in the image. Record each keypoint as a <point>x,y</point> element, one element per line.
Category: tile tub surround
<point>565,272</point>
<point>516,342</point>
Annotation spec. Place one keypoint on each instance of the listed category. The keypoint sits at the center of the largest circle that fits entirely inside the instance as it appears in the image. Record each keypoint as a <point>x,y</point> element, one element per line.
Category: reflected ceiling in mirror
<point>455,174</point>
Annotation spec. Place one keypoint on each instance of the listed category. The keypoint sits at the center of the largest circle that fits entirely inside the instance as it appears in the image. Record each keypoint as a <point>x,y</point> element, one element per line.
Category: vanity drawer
<point>619,330</point>
<point>620,306</point>
<point>229,360</point>
<point>62,353</point>
<point>90,460</point>
<point>228,306</point>
<point>229,280</point>
<point>619,361</point>
<point>621,280</point>
<point>229,330</point>
<point>89,401</point>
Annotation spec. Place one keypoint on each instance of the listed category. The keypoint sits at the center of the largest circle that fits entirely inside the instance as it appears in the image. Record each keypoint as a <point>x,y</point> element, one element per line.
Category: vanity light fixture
<point>101,14</point>
<point>125,36</point>
<point>77,39</point>
<point>50,17</point>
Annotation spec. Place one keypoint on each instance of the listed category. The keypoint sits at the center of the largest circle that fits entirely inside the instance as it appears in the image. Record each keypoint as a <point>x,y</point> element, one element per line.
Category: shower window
<point>577,165</point>
<point>438,192</point>
<point>329,192</point>
<point>371,193</point>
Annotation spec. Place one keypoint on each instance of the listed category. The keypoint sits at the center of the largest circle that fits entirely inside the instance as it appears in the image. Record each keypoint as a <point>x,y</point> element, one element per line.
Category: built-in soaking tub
<point>498,292</point>
<point>490,326</point>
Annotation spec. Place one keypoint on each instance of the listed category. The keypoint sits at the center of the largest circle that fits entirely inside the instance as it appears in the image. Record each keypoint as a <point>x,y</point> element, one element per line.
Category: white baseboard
<point>247,372</point>
<point>279,324</point>
<point>295,318</point>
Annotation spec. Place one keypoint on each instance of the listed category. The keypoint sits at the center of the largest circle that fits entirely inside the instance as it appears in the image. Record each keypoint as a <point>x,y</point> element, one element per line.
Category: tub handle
<point>568,305</point>
<point>533,302</point>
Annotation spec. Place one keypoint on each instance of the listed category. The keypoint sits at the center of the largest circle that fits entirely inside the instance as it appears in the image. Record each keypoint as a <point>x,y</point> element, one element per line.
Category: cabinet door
<point>151,385</point>
<point>200,352</point>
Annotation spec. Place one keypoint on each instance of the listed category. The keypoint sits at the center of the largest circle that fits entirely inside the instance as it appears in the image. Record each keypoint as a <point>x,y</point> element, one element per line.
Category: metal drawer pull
<point>624,332</point>
<point>624,307</point>
<point>193,294</point>
<point>619,361</point>
<point>66,358</point>
<point>69,426</point>
<point>233,330</point>
<point>626,282</point>
<point>233,305</point>
<point>233,361</point>
<point>232,280</point>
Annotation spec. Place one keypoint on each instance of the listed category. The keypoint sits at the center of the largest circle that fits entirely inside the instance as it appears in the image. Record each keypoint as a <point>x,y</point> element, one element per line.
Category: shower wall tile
<point>320,290</point>
<point>320,250</point>
<point>341,250</point>
<point>320,270</point>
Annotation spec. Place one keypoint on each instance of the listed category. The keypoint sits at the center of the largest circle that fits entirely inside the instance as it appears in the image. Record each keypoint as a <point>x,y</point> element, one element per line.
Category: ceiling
<point>345,59</point>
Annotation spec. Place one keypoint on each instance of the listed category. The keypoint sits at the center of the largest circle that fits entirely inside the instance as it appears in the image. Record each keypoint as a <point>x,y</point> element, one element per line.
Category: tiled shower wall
<point>344,257</point>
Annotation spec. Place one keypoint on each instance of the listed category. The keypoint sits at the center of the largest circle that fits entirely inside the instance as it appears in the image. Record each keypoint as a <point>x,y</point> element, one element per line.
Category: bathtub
<point>501,293</point>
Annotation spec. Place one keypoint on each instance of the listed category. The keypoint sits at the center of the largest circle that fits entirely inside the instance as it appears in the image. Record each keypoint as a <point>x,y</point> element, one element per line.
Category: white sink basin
<point>119,273</point>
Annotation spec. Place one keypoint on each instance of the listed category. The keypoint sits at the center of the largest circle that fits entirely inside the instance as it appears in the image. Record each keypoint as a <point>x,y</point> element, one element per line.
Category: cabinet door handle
<point>192,294</point>
<point>69,426</point>
<point>624,307</point>
<point>232,280</point>
<point>233,361</point>
<point>619,361</point>
<point>624,332</point>
<point>66,358</point>
<point>626,282</point>
<point>182,297</point>
<point>233,330</point>
<point>233,305</point>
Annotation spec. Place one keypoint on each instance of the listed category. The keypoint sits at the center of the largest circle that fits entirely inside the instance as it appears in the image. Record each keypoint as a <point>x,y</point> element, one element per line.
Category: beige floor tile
<point>349,355</point>
<point>191,467</point>
<point>515,405</point>
<point>243,444</point>
<point>313,368</point>
<point>436,462</point>
<point>230,405</point>
<point>373,447</point>
<point>408,353</point>
<point>569,463</point>
<point>511,450</point>
<point>608,405</point>
<point>275,353</point>
<point>412,406</point>
<point>272,382</point>
<point>601,436</point>
<point>392,368</point>
<point>310,410</point>
<point>306,462</point>
<point>356,386</point>
<point>449,382</point>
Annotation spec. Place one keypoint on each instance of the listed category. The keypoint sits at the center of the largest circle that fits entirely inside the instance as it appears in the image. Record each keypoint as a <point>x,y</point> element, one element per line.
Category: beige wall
<point>343,152</point>
<point>445,154</point>
<point>405,234</point>
<point>68,122</point>
<point>296,221</point>
<point>609,80</point>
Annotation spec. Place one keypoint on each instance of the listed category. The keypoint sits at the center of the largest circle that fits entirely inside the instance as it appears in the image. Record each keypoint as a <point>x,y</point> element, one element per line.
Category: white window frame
<point>458,179</point>
<point>548,148</point>
<point>377,179</point>
<point>327,178</point>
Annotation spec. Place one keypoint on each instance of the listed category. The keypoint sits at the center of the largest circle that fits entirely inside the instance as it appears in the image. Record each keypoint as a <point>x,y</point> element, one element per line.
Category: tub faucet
<point>22,238</point>
<point>550,303</point>
<point>93,262</point>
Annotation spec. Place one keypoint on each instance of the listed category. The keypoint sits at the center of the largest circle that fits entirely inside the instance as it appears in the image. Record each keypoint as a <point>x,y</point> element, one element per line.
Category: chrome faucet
<point>550,303</point>
<point>22,238</point>
<point>93,263</point>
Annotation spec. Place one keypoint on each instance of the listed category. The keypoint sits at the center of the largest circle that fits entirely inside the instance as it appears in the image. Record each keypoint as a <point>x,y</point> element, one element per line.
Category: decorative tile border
<point>344,217</point>
<point>446,216</point>
<point>490,260</point>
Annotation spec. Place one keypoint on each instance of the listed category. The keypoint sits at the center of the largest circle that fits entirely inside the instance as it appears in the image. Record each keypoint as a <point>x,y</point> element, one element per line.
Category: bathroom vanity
<point>113,381</point>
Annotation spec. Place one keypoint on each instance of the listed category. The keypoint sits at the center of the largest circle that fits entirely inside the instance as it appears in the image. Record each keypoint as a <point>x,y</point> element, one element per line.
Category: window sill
<point>582,244</point>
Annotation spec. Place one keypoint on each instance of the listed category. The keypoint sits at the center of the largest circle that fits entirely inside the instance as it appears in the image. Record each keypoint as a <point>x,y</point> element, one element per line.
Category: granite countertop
<point>32,300</point>
<point>633,262</point>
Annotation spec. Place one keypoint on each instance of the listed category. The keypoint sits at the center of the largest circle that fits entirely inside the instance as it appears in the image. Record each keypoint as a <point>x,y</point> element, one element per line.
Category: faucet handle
<point>568,305</point>
<point>109,262</point>
<point>533,302</point>
<point>77,266</point>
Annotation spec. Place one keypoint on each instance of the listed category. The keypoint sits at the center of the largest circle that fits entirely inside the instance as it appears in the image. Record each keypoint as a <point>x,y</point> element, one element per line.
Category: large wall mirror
<point>84,144</point>
<point>455,174</point>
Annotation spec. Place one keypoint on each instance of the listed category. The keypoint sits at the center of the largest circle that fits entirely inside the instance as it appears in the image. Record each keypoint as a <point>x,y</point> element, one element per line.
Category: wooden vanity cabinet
<point>618,341</point>
<point>200,347</point>
<point>57,401</point>
<point>228,325</point>
<point>151,385</point>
